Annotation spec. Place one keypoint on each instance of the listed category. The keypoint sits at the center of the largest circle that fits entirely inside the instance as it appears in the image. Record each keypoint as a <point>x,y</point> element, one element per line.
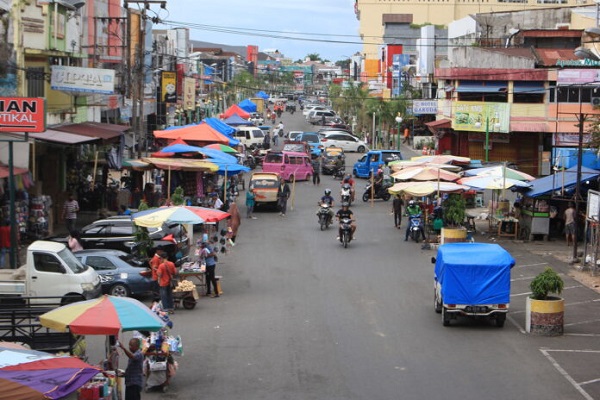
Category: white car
<point>256,119</point>
<point>343,140</point>
<point>312,107</point>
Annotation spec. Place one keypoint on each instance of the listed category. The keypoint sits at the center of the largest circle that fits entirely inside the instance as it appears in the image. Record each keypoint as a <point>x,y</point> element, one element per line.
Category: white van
<point>250,136</point>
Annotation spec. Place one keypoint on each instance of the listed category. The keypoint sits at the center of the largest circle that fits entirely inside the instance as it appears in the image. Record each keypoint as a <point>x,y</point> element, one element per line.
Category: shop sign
<point>168,86</point>
<point>422,107</point>
<point>82,80</point>
<point>189,93</point>
<point>569,139</point>
<point>578,76</point>
<point>22,114</point>
<point>593,205</point>
<point>480,117</point>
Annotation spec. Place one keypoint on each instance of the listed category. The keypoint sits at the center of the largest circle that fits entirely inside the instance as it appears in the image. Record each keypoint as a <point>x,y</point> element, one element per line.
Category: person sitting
<point>124,210</point>
<point>346,212</point>
<point>378,181</point>
<point>413,210</point>
<point>349,180</point>
<point>327,198</point>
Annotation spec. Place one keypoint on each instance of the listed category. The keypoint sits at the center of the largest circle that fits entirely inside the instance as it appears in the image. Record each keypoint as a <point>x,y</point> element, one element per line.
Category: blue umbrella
<point>181,148</point>
<point>230,168</point>
<point>217,156</point>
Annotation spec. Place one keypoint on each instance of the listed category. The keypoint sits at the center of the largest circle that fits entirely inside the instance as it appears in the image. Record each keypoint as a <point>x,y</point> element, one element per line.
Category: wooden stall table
<point>502,223</point>
<point>198,275</point>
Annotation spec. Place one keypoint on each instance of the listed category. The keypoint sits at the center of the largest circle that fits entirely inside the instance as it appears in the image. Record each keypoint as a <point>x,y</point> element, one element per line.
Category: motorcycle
<point>324,216</point>
<point>346,193</point>
<point>415,227</point>
<point>382,193</point>
<point>346,234</point>
<point>339,173</point>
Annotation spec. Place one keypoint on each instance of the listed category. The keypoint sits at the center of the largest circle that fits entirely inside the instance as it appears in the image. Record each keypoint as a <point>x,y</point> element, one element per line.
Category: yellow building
<point>371,14</point>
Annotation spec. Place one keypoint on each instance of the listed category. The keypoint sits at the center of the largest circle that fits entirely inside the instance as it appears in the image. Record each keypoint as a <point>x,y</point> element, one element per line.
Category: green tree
<point>313,57</point>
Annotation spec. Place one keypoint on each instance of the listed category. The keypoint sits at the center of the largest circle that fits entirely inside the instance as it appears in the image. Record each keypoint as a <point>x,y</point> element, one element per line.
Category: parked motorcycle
<point>346,194</point>
<point>382,193</point>
<point>415,227</point>
<point>339,173</point>
<point>346,234</point>
<point>324,216</point>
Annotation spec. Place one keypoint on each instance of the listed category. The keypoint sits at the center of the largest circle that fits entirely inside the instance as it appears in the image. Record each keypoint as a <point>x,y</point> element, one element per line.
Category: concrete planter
<point>545,317</point>
<point>453,235</point>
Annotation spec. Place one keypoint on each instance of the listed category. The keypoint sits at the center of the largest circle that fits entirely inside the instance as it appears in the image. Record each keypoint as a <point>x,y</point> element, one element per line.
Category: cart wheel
<point>188,302</point>
<point>165,388</point>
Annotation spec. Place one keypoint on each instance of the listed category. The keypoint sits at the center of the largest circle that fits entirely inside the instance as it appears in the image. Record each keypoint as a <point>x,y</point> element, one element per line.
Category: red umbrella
<point>195,133</point>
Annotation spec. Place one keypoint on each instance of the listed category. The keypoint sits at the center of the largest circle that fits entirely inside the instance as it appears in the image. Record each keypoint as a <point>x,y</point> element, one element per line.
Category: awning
<point>4,171</point>
<point>529,87</point>
<point>481,87</point>
<point>94,129</point>
<point>433,126</point>
<point>562,180</point>
<point>50,135</point>
<point>528,127</point>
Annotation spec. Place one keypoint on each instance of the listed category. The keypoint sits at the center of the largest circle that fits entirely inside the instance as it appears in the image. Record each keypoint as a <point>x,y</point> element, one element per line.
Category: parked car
<point>313,107</point>
<point>369,163</point>
<point>121,274</point>
<point>290,106</point>
<point>292,134</point>
<point>344,140</point>
<point>313,140</point>
<point>317,117</point>
<point>118,233</point>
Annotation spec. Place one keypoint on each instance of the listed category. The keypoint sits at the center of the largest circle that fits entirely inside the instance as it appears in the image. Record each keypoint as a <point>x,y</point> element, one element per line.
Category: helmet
<point>345,204</point>
<point>327,192</point>
<point>348,177</point>
<point>411,203</point>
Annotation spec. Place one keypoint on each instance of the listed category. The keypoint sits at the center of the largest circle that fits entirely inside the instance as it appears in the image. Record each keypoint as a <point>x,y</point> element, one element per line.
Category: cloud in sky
<point>318,20</point>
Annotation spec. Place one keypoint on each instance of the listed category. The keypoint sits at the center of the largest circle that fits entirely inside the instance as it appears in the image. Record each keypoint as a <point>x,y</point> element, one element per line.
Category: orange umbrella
<point>194,133</point>
<point>425,174</point>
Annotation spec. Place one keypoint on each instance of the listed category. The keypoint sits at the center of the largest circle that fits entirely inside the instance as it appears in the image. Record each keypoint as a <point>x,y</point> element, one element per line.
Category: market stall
<point>545,199</point>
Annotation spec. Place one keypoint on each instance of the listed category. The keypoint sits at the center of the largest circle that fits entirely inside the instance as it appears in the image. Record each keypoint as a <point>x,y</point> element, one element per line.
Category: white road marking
<point>565,373</point>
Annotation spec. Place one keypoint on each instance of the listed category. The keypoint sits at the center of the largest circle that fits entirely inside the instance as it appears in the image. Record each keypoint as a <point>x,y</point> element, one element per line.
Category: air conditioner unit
<point>596,101</point>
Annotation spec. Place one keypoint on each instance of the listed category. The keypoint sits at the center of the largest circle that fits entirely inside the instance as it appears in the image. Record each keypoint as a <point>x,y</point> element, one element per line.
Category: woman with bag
<point>208,254</point>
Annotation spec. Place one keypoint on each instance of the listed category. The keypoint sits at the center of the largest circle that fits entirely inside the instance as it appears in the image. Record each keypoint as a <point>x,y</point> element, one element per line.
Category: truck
<point>51,270</point>
<point>369,163</point>
<point>472,280</point>
<point>260,104</point>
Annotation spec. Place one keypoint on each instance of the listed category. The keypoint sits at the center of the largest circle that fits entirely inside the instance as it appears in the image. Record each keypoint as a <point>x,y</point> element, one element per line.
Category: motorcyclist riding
<point>413,210</point>
<point>346,212</point>
<point>327,199</point>
<point>349,180</point>
<point>378,180</point>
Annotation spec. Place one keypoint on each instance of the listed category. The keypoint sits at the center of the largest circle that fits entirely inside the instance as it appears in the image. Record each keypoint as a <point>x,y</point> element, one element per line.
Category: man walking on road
<point>69,214</point>
<point>397,204</point>
<point>316,166</point>
<point>283,194</point>
<point>570,224</point>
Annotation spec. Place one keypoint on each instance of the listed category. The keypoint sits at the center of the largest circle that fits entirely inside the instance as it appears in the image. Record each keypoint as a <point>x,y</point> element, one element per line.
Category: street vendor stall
<point>546,198</point>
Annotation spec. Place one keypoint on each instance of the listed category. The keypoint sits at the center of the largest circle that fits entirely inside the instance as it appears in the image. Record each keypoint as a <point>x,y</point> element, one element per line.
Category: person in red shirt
<point>4,242</point>
<point>154,262</point>
<point>165,273</point>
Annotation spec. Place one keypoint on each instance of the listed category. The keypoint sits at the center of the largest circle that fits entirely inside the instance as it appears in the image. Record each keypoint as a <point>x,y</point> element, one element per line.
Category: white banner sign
<point>424,107</point>
<point>82,80</point>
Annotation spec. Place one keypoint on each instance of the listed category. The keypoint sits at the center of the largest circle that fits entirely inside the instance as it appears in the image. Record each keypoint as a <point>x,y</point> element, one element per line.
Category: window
<point>122,230</point>
<point>100,263</point>
<point>47,263</point>
<point>35,82</point>
<point>274,158</point>
<point>96,230</point>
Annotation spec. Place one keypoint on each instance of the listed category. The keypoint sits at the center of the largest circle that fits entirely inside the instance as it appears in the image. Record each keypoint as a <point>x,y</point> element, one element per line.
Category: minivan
<point>289,164</point>
<point>316,117</point>
<point>251,136</point>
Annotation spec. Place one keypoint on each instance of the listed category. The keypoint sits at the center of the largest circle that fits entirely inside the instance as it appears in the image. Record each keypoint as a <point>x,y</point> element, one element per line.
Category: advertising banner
<point>578,76</point>
<point>82,80</point>
<point>168,87</point>
<point>189,93</point>
<point>478,117</point>
<point>22,114</point>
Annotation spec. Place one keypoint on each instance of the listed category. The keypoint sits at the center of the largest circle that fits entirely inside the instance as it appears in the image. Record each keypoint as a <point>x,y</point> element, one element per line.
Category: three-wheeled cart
<point>185,299</point>
<point>157,367</point>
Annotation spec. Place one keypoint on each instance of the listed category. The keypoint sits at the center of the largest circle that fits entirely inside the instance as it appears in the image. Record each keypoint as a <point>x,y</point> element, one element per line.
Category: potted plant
<point>142,240</point>
<point>454,216</point>
<point>545,313</point>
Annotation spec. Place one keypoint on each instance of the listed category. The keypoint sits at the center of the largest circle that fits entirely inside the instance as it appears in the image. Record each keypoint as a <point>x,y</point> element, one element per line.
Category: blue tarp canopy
<point>217,156</point>
<point>561,180</point>
<point>170,128</point>
<point>236,120</point>
<point>474,273</point>
<point>230,168</point>
<point>220,126</point>
<point>262,95</point>
<point>181,148</point>
<point>247,105</point>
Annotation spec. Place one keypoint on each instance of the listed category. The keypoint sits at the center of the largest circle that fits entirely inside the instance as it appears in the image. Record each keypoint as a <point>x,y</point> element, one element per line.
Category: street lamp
<point>399,121</point>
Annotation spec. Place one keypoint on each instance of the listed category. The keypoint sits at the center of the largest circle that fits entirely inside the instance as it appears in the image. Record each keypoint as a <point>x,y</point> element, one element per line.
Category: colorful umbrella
<point>155,217</point>
<point>443,159</point>
<point>425,174</point>
<point>500,171</point>
<point>403,164</point>
<point>221,147</point>
<point>419,189</point>
<point>106,315</point>
<point>491,182</point>
<point>27,374</point>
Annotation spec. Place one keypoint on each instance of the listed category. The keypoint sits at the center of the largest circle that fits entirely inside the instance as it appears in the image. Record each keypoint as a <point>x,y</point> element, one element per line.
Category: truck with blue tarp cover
<point>472,279</point>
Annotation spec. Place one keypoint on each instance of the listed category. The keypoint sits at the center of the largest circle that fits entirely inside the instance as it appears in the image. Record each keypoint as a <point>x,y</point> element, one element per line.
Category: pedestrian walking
<point>134,373</point>
<point>283,194</point>
<point>207,253</point>
<point>165,273</point>
<point>69,213</point>
<point>316,166</point>
<point>406,136</point>
<point>234,221</point>
<point>4,242</point>
<point>74,241</point>
<point>397,204</point>
<point>250,202</point>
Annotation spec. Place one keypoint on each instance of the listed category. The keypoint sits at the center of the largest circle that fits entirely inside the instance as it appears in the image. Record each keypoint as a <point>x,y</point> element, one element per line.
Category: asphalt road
<point>303,318</point>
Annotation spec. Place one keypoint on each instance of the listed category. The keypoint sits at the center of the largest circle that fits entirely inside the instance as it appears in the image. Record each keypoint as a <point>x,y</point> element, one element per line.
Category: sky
<point>254,22</point>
